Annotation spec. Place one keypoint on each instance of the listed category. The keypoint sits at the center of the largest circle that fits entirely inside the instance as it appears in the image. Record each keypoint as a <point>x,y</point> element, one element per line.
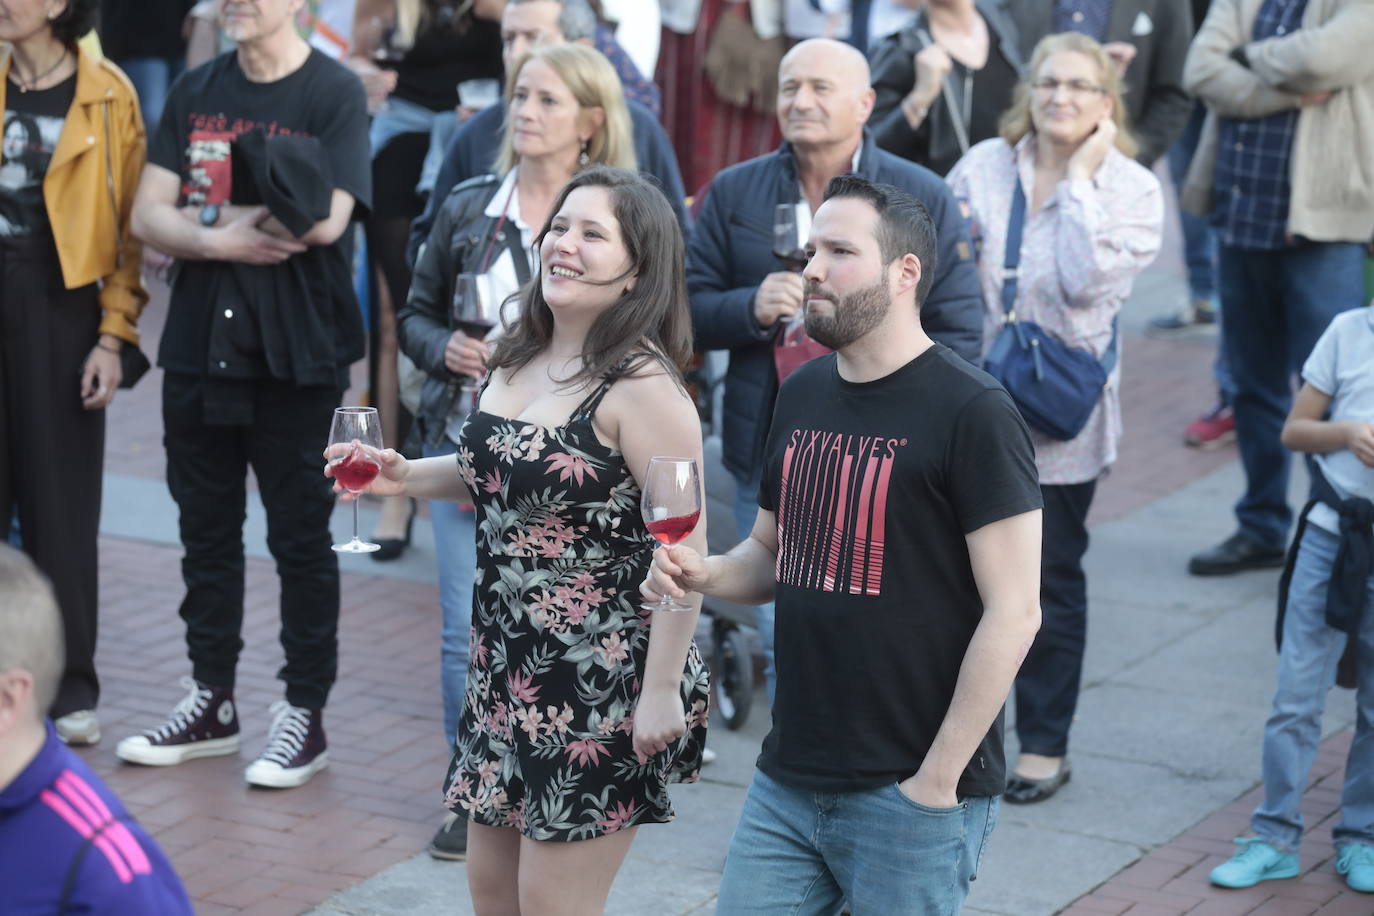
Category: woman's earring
<point>583,159</point>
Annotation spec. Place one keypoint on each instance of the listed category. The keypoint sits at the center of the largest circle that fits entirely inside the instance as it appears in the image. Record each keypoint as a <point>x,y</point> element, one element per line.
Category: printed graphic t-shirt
<point>207,109</point>
<point>33,122</point>
<point>874,486</point>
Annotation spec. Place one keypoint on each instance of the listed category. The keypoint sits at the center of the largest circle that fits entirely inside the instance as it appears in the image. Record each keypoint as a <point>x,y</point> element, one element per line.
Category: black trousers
<point>52,450</point>
<point>206,469</point>
<point>1047,686</point>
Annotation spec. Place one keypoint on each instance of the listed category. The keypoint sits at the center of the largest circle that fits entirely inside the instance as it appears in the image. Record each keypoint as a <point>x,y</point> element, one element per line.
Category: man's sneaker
<point>1257,861</point>
<point>1356,862</point>
<point>451,842</point>
<point>295,748</point>
<point>204,724</point>
<point>1196,318</point>
<point>1215,428</point>
<point>1238,553</point>
<point>78,728</point>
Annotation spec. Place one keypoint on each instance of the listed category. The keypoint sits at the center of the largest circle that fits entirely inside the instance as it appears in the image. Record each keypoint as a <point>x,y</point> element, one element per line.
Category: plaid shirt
<point>1086,16</point>
<point>1253,175</point>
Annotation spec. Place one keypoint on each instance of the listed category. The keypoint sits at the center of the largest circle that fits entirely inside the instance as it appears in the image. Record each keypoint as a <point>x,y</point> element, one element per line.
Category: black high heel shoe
<point>391,548</point>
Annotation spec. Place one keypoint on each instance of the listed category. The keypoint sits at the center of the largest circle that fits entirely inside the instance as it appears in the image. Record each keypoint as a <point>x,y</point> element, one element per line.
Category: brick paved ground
<point>1172,879</point>
<point>262,852</point>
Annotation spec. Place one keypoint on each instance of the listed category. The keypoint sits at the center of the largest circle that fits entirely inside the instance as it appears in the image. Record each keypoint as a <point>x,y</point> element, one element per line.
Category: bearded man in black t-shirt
<point>259,165</point>
<point>899,534</point>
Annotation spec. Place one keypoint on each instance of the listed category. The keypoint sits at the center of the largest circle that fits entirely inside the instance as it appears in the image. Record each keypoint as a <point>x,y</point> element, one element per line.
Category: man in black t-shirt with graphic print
<point>261,329</point>
<point>899,534</point>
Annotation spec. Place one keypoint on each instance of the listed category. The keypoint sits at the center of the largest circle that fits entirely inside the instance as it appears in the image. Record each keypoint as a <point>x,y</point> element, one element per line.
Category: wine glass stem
<point>355,517</point>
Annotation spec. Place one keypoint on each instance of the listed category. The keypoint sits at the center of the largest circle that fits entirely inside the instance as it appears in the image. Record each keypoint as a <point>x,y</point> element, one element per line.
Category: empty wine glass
<point>355,446</point>
<point>671,506</point>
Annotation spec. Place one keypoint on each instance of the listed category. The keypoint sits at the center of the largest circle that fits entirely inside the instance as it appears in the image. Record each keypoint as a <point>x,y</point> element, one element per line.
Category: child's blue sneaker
<point>1258,861</point>
<point>1356,862</point>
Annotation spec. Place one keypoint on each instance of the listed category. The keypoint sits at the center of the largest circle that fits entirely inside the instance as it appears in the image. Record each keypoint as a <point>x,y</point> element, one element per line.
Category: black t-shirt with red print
<point>206,111</point>
<point>875,486</point>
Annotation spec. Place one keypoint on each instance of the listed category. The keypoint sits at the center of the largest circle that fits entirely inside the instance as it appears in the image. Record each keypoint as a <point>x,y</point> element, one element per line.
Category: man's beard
<point>849,318</point>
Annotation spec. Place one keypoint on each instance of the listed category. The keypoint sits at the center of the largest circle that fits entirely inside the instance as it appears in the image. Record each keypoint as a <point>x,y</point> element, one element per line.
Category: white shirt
<point>1342,366</point>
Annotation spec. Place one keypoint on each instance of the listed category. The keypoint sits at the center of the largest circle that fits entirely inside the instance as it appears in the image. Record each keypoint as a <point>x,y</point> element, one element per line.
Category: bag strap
<point>1011,273</point>
<point>951,105</point>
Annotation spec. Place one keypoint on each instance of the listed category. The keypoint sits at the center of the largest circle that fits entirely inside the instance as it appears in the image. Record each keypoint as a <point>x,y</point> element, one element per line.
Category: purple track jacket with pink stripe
<point>67,846</point>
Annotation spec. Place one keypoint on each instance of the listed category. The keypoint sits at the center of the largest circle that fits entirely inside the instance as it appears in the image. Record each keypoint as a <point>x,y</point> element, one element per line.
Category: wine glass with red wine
<point>787,240</point>
<point>671,505</point>
<point>355,445</point>
<point>472,317</point>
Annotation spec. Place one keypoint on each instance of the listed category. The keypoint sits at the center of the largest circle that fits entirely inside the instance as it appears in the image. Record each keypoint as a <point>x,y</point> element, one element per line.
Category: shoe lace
<point>1251,849</point>
<point>191,707</point>
<point>1356,855</point>
<point>290,726</point>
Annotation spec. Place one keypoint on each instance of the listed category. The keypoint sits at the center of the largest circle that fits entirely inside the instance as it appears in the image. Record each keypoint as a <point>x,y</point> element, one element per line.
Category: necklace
<point>26,85</point>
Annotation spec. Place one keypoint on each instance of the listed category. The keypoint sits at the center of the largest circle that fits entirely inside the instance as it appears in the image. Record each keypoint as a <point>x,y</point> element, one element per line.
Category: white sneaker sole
<point>79,739</point>
<point>138,750</point>
<point>271,776</point>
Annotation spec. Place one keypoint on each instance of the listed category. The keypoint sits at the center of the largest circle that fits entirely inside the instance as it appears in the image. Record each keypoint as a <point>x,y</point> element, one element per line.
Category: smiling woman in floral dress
<point>581,705</point>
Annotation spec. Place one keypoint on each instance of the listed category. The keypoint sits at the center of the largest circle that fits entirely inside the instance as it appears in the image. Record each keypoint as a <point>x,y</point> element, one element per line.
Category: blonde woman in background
<point>1093,220</point>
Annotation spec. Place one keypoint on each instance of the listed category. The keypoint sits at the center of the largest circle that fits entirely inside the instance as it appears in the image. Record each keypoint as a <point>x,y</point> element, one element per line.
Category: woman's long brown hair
<point>652,319</point>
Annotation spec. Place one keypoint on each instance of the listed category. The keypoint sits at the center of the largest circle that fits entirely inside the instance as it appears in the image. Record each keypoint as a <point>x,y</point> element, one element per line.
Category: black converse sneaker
<point>295,748</point>
<point>204,724</point>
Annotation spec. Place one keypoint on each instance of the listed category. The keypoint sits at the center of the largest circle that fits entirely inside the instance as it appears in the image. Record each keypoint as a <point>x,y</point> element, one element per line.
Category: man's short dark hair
<point>904,223</point>
<point>74,21</point>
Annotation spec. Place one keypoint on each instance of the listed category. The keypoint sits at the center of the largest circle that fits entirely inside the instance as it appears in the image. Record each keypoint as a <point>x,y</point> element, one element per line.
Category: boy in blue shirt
<point>1329,611</point>
<point>66,843</point>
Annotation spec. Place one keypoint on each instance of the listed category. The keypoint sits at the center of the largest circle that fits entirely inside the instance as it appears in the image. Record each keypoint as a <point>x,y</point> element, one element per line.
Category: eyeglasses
<point>1048,86</point>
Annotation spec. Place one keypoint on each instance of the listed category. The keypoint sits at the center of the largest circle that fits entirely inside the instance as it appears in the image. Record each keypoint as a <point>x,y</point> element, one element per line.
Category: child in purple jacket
<point>66,843</point>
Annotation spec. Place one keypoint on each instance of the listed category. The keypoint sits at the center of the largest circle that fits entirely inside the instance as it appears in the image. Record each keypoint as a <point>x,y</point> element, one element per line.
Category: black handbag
<point>132,365</point>
<point>1055,386</point>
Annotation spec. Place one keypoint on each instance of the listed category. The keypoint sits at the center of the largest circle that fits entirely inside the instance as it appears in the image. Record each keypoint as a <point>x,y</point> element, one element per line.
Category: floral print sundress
<point>559,639</point>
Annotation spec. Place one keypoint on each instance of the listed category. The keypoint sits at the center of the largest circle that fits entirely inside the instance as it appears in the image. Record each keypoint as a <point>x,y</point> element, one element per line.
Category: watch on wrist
<point>209,215</point>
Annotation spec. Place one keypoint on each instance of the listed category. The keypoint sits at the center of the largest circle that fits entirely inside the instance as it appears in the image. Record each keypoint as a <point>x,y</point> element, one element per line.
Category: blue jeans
<point>800,852</point>
<point>1199,242</point>
<point>398,116</point>
<point>455,545</point>
<point>1275,304</point>
<point>1307,671</point>
<point>746,510</point>
<point>152,77</point>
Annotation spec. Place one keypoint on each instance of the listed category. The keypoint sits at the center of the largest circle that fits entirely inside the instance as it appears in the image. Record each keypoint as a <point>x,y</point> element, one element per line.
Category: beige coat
<point>1333,148</point>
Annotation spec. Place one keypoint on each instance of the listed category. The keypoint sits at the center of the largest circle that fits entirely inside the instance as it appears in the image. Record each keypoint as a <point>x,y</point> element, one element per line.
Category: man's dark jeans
<point>206,470</point>
<point>1274,305</point>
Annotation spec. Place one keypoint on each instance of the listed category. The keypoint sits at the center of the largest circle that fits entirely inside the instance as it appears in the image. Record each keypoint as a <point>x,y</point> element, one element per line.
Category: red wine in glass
<point>670,531</point>
<point>671,506</point>
<point>787,240</point>
<point>356,471</point>
<point>355,445</point>
<point>469,316</point>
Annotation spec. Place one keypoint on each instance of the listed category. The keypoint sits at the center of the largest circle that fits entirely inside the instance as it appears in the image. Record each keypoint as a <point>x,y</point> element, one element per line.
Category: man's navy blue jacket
<point>731,251</point>
<point>473,147</point>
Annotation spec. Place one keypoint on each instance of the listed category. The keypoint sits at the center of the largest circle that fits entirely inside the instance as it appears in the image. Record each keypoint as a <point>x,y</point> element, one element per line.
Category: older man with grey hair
<point>527,24</point>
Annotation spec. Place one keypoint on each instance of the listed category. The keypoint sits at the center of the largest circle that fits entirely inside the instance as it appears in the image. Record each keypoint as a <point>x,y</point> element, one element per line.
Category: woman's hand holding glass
<point>464,355</point>
<point>390,479</point>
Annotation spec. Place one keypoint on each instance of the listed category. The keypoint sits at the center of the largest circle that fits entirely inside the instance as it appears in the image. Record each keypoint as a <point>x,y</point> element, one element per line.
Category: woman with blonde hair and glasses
<point>1089,220</point>
<point>566,112</point>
